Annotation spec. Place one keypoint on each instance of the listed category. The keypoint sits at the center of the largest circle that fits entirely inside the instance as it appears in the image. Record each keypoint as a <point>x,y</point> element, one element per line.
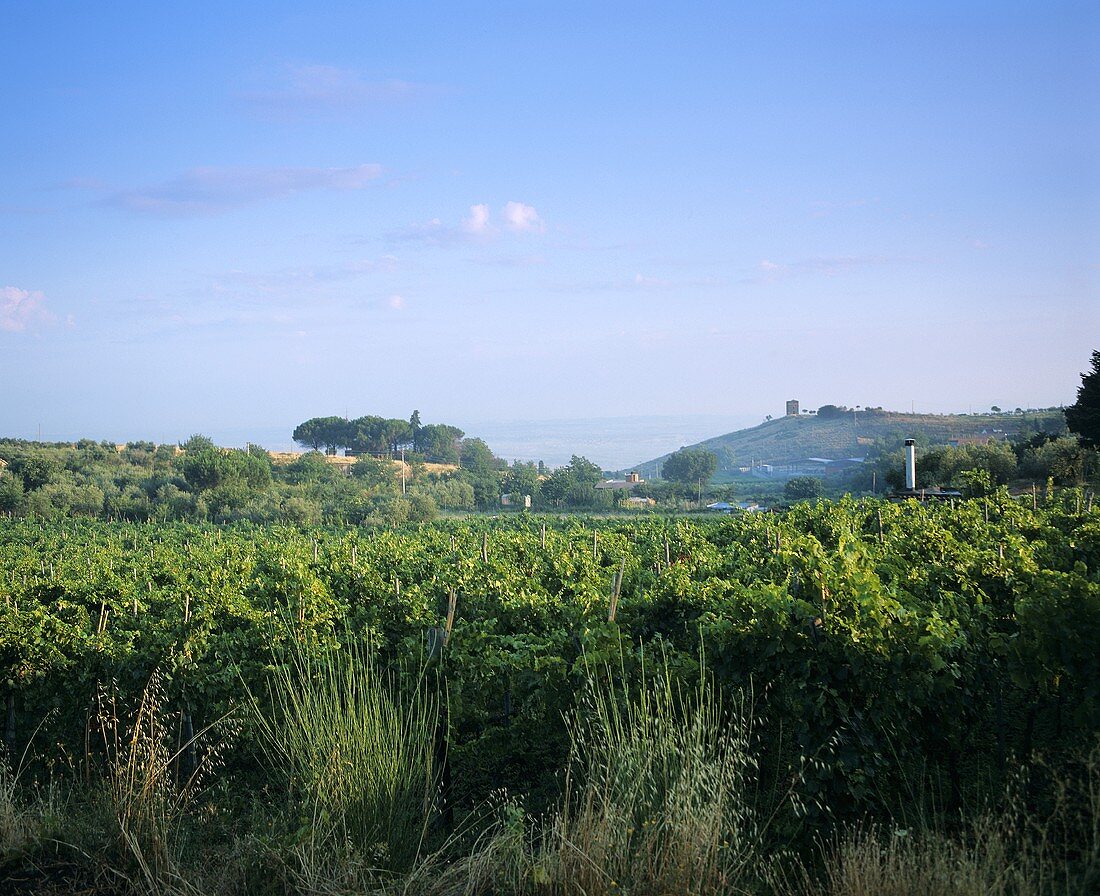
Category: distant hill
<point>788,440</point>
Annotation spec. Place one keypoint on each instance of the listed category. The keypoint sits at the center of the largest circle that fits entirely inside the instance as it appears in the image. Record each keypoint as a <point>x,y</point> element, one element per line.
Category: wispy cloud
<point>477,226</point>
<point>822,208</point>
<point>826,266</point>
<point>431,231</point>
<point>83,183</point>
<point>292,280</point>
<point>639,283</point>
<point>210,191</point>
<point>643,282</point>
<point>22,309</point>
<point>514,261</point>
<point>305,90</point>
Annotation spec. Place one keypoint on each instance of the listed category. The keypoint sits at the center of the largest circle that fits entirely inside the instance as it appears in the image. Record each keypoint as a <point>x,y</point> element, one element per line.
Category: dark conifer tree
<point>1083,417</point>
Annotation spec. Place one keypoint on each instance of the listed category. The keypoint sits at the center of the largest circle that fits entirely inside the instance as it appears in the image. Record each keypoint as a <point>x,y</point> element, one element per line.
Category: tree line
<point>370,434</point>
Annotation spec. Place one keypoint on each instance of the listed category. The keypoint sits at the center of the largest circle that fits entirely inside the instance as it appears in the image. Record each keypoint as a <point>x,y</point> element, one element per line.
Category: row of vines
<point>889,651</point>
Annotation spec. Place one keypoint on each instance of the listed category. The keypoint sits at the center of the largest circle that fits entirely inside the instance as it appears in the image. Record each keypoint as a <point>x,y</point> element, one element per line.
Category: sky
<point>230,217</point>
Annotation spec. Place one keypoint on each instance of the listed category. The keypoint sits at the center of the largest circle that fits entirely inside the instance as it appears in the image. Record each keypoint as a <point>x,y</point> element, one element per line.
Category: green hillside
<point>789,440</point>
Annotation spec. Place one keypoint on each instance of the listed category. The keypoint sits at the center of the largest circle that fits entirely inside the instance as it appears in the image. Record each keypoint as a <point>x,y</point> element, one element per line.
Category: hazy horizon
<point>615,443</point>
<point>612,442</point>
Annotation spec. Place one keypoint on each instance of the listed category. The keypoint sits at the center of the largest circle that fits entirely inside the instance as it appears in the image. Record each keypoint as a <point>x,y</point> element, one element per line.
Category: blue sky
<point>231,217</point>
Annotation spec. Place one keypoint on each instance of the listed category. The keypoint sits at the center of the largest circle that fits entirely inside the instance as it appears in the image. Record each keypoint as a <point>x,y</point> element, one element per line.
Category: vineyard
<point>876,665</point>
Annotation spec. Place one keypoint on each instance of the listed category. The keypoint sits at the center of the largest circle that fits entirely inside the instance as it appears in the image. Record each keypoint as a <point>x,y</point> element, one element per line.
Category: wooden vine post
<point>439,638</point>
<point>452,605</point>
<point>616,590</point>
<point>9,726</point>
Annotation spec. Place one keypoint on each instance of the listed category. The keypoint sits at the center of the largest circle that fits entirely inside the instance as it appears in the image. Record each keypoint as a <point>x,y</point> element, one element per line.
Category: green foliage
<point>574,485</point>
<point>11,492</point>
<point>36,468</point>
<point>373,472</point>
<point>312,467</point>
<point>887,642</point>
<point>324,432</point>
<point>211,468</point>
<point>1083,416</point>
<point>976,483</point>
<point>448,492</point>
<point>197,442</point>
<point>522,479</point>
<point>802,488</point>
<point>439,442</point>
<point>690,466</point>
<point>376,435</point>
<point>478,458</point>
<point>953,465</point>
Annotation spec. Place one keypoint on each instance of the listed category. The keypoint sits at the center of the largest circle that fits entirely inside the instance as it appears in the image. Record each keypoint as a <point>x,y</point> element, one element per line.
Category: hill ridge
<point>791,439</point>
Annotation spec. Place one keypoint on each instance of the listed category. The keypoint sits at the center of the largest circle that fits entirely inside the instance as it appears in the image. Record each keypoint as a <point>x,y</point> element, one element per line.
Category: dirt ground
<point>338,460</point>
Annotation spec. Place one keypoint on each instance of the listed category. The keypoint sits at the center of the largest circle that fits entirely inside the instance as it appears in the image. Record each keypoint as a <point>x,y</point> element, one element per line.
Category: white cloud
<point>476,227</point>
<point>477,222</point>
<point>766,265</point>
<point>22,308</point>
<point>396,302</point>
<point>518,216</point>
<point>205,191</point>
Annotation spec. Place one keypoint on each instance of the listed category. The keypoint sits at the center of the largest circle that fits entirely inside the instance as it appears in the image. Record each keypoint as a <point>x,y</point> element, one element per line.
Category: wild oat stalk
<point>16,822</point>
<point>147,801</point>
<point>658,797</point>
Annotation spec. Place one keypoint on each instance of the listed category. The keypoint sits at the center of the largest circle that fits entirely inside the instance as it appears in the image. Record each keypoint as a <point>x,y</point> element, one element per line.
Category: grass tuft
<point>357,754</point>
<point>659,796</point>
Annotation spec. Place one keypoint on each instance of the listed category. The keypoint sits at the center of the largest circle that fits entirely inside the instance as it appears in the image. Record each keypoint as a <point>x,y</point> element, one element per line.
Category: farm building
<point>632,480</point>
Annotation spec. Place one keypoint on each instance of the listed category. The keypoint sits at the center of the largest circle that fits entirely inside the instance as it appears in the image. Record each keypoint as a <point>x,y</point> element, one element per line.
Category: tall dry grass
<point>145,797</point>
<point>658,798</point>
<point>1022,850</point>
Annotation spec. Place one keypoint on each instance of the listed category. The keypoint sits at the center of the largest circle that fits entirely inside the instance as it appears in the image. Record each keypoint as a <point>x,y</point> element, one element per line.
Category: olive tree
<point>690,466</point>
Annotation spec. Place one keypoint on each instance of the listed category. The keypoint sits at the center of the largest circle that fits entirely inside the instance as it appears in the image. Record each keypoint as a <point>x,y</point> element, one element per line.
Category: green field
<point>538,705</point>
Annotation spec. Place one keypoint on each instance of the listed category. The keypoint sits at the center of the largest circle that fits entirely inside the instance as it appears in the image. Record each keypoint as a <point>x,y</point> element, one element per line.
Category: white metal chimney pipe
<point>910,464</point>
